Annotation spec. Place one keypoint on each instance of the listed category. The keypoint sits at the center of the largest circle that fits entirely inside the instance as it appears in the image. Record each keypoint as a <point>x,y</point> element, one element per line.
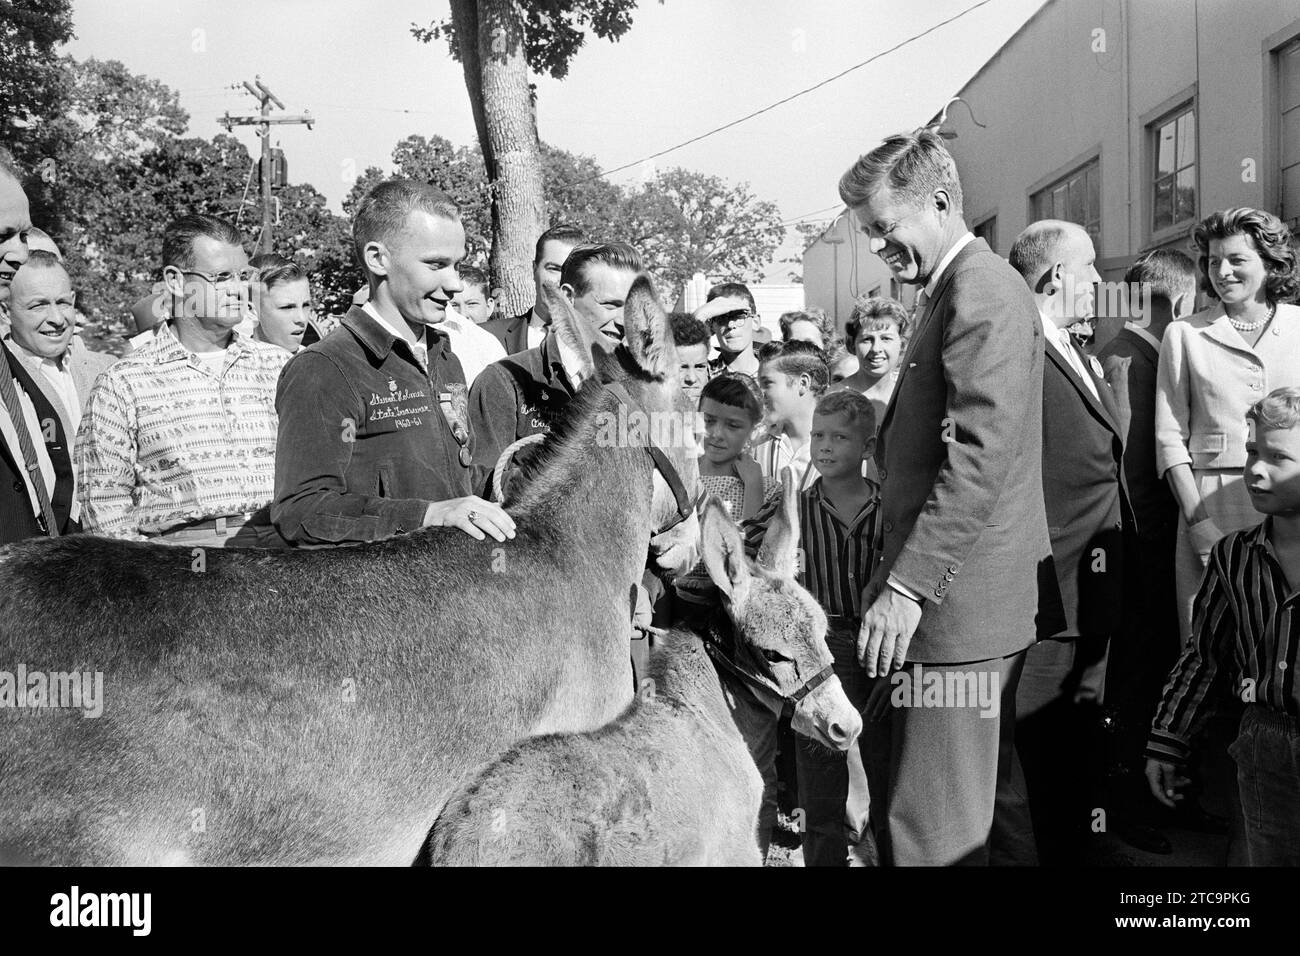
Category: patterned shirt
<point>838,557</point>
<point>1244,620</point>
<point>731,490</point>
<point>164,443</point>
<point>773,452</point>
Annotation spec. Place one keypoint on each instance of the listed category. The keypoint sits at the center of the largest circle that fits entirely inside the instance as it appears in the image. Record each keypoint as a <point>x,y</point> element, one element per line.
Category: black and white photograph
<point>470,434</point>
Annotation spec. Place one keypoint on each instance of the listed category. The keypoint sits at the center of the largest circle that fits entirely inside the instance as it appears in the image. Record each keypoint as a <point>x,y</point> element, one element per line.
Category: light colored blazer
<point>1207,380</point>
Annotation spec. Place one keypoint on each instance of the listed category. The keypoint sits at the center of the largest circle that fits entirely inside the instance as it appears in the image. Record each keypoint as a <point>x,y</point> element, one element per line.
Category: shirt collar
<point>558,356</point>
<point>403,333</point>
<point>168,347</point>
<point>946,261</point>
<point>32,359</point>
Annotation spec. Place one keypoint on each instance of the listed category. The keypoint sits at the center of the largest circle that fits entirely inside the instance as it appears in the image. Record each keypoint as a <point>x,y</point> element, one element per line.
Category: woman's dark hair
<point>737,390</point>
<point>1272,241</point>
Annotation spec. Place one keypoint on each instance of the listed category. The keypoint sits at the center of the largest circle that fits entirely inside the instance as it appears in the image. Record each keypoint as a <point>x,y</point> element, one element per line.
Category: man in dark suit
<point>1058,704</point>
<point>36,494</point>
<point>951,605</point>
<point>526,331</point>
<point>1162,289</point>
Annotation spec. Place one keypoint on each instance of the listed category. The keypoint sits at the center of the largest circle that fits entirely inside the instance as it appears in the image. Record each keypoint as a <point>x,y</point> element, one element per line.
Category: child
<point>875,332</point>
<point>837,525</point>
<point>1244,622</point>
<point>730,408</point>
<point>792,376</point>
<point>841,363</point>
<point>692,339</point>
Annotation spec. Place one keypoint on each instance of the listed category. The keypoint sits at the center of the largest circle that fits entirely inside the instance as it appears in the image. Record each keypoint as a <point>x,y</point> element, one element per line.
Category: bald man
<point>1058,702</point>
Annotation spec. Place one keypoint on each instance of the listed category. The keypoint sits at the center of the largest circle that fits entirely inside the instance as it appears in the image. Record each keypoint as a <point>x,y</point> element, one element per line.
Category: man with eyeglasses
<point>178,440</point>
<point>729,311</point>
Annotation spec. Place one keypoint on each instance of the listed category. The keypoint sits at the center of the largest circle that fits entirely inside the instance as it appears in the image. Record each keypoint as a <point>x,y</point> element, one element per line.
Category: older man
<point>953,601</point>
<point>1058,702</point>
<point>36,486</point>
<point>42,335</point>
<point>178,441</point>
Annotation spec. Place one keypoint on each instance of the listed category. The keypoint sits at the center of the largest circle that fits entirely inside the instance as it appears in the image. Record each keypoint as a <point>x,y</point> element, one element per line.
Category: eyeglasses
<point>221,278</point>
<point>728,317</point>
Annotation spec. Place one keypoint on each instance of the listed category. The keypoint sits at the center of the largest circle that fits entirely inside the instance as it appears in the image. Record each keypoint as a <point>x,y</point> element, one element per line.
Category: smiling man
<point>964,532</point>
<point>374,427</point>
<point>43,313</point>
<point>523,394</point>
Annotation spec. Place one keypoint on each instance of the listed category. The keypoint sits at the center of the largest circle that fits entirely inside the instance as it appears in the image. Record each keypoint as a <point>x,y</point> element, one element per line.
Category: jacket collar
<point>379,342</point>
<point>1220,329</point>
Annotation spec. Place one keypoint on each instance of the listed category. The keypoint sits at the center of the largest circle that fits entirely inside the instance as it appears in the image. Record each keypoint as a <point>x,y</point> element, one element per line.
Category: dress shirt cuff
<point>904,590</point>
<point>1168,747</point>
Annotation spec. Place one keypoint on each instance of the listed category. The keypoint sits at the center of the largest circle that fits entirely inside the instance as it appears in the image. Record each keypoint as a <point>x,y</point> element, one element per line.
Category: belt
<point>219,525</point>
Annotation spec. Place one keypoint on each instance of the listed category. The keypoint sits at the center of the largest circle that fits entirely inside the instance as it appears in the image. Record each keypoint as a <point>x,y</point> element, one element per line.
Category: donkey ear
<point>779,551</point>
<point>647,330</point>
<point>724,552</point>
<point>573,331</point>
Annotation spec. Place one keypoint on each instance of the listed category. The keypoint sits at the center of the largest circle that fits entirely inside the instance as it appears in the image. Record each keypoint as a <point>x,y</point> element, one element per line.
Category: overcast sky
<point>685,67</point>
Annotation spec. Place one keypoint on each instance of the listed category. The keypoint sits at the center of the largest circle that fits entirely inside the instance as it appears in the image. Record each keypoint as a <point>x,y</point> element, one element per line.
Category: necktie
<point>421,355</point>
<point>1076,360</point>
<point>9,397</point>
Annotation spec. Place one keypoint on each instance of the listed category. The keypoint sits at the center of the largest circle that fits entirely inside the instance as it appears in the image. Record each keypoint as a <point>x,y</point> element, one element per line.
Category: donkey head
<point>656,414</point>
<point>776,620</point>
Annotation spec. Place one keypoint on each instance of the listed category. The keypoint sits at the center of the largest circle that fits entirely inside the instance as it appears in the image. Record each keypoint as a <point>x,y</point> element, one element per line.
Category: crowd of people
<point>1109,541</point>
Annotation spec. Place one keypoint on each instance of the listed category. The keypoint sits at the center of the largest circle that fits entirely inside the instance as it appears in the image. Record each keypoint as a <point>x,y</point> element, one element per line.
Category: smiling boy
<point>375,433</point>
<point>1245,620</point>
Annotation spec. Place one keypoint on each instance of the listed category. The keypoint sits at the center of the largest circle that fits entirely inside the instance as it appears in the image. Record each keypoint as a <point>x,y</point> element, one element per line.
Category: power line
<point>793,96</point>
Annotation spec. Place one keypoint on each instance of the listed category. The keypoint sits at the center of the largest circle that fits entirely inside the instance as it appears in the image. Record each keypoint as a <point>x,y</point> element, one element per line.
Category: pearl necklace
<point>1257,324</point>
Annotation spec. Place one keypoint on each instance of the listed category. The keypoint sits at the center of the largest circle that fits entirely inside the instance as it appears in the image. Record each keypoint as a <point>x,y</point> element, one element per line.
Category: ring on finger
<point>472,515</point>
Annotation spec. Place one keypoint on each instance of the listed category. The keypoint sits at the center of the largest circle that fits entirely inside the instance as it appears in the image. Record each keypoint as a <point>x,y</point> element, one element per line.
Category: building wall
<point>838,267</point>
<point>1059,93</point>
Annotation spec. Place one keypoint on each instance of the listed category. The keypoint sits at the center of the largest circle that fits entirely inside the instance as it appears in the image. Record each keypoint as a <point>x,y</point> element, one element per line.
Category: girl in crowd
<point>876,332</point>
<point>282,300</point>
<point>1213,367</point>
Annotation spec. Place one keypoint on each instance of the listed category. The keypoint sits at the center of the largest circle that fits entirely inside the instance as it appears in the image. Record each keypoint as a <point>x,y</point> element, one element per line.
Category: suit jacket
<point>1130,363</point>
<point>85,367</point>
<point>960,462</point>
<point>511,333</point>
<point>1208,377</point>
<point>1087,505</point>
<point>17,520</point>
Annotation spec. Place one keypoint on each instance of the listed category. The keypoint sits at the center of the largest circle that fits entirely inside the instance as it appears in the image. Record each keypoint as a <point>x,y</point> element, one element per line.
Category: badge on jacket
<point>454,402</point>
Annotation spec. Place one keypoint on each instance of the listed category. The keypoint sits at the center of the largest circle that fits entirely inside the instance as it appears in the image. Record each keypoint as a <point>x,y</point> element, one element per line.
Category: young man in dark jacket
<point>374,435</point>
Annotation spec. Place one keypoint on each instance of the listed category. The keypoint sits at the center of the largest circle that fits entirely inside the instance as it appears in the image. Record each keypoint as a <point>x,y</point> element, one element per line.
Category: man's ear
<point>174,281</point>
<point>570,293</point>
<point>942,201</point>
<point>869,448</point>
<point>376,257</point>
<point>1184,304</point>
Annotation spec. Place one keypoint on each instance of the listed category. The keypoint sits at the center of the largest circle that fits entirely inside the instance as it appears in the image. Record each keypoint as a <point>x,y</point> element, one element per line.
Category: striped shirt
<point>1244,620</point>
<point>773,452</point>
<point>164,443</point>
<point>838,556</point>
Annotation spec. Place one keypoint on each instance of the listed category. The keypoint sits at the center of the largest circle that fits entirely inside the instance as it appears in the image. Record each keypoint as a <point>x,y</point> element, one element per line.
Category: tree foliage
<point>554,30</point>
<point>32,82</point>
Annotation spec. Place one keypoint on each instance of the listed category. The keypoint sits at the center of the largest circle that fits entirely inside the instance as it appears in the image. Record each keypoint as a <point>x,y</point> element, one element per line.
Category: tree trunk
<point>496,77</point>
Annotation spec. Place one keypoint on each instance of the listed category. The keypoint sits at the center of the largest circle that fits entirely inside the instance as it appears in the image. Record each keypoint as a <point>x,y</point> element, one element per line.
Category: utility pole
<point>264,122</point>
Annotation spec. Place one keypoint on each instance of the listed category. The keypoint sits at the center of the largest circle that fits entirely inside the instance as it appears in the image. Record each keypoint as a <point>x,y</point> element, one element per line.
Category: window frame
<point>1183,103</point>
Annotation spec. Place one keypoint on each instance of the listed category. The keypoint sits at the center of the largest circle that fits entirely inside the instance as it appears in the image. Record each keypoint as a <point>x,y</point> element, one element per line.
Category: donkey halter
<point>714,644</point>
<point>685,506</point>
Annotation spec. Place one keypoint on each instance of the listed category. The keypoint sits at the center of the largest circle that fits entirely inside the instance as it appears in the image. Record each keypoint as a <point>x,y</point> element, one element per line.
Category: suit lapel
<point>1102,406</point>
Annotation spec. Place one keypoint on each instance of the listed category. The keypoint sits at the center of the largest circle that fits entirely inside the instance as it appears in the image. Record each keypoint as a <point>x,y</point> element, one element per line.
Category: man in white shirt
<point>526,331</point>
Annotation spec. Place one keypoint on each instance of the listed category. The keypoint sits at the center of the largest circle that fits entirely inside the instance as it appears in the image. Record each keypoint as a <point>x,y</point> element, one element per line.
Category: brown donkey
<point>671,781</point>
<point>316,707</point>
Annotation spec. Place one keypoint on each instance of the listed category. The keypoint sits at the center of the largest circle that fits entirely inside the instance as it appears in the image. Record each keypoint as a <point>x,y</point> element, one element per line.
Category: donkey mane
<point>543,471</point>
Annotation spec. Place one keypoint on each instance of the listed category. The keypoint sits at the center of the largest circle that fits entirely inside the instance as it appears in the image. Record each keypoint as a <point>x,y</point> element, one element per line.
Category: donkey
<point>316,707</point>
<point>671,781</point>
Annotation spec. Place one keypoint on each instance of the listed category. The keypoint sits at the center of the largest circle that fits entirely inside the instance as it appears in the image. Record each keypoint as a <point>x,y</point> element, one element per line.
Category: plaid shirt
<point>1244,620</point>
<point>163,443</point>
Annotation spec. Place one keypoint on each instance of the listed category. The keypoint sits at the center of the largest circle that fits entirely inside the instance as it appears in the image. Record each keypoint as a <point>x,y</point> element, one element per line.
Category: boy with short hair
<point>792,377</point>
<point>475,301</point>
<point>1244,620</point>
<point>837,527</point>
<point>692,339</point>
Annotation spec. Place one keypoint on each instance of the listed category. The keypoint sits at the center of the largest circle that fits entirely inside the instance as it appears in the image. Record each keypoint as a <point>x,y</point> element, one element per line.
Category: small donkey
<point>671,780</point>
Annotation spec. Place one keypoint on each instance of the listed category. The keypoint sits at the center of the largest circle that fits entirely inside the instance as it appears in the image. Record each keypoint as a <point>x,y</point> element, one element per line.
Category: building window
<point>1075,198</point>
<point>1288,68</point>
<point>1173,192</point>
<point>988,231</point>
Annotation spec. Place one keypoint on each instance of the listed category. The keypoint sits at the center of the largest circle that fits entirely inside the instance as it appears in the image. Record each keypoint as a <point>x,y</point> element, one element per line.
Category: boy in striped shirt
<point>837,531</point>
<point>1246,620</point>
